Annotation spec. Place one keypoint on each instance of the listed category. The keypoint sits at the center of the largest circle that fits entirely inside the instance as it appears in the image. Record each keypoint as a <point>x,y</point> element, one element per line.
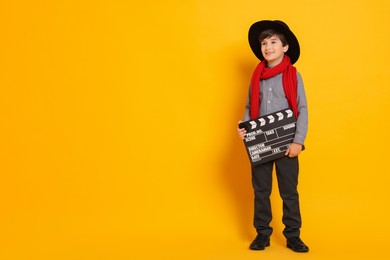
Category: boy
<point>276,85</point>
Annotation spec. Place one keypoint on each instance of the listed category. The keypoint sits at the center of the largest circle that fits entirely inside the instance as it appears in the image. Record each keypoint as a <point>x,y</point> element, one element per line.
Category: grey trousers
<point>287,175</point>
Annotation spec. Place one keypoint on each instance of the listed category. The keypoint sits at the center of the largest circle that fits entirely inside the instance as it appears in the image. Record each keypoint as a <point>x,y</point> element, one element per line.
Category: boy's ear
<point>285,48</point>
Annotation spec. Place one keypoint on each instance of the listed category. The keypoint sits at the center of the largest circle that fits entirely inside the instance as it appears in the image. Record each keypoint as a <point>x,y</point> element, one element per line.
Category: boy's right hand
<point>241,131</point>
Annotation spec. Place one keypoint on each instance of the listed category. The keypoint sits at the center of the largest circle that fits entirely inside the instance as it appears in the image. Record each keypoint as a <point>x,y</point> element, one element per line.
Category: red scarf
<point>289,81</point>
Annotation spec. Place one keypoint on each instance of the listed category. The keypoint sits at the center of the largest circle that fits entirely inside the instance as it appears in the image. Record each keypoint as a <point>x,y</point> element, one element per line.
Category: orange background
<point>118,129</point>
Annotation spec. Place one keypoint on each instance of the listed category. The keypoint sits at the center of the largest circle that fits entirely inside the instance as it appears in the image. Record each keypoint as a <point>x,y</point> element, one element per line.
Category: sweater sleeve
<point>302,121</point>
<point>247,106</point>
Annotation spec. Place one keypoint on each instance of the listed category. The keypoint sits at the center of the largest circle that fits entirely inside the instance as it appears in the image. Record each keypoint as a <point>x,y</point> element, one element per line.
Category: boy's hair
<point>268,33</point>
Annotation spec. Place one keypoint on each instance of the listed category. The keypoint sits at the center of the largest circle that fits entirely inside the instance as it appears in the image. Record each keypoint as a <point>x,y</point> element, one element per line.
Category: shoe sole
<point>266,245</point>
<point>298,251</point>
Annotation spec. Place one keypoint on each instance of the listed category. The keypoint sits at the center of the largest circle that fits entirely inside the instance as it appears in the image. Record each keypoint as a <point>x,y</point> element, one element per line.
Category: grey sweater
<point>273,99</point>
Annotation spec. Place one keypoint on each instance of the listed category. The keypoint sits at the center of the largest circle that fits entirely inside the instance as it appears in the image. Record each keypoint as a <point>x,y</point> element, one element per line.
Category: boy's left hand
<point>294,150</point>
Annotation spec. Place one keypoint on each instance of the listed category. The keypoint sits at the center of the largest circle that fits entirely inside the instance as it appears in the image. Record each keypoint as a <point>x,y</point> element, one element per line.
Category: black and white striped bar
<point>268,137</point>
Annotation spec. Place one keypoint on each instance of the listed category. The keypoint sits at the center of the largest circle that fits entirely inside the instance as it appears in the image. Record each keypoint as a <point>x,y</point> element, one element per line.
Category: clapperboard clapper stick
<point>268,137</point>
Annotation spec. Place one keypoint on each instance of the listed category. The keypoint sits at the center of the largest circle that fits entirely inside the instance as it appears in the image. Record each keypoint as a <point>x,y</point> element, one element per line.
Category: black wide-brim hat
<point>279,26</point>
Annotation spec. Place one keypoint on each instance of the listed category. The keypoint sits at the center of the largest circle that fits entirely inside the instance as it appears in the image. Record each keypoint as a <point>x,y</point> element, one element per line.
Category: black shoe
<point>297,245</point>
<point>260,242</point>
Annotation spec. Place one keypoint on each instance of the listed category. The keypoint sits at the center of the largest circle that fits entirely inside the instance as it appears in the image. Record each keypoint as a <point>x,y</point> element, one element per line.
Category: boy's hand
<point>241,131</point>
<point>293,150</point>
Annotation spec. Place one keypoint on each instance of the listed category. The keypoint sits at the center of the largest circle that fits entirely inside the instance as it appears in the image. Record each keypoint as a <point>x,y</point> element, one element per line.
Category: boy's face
<point>273,50</point>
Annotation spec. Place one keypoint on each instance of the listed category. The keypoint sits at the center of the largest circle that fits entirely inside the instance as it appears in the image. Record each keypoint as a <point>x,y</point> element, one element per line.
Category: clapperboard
<point>268,137</point>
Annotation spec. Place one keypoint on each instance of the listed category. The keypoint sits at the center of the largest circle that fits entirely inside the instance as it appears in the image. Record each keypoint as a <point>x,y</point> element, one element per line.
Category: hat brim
<point>279,26</point>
